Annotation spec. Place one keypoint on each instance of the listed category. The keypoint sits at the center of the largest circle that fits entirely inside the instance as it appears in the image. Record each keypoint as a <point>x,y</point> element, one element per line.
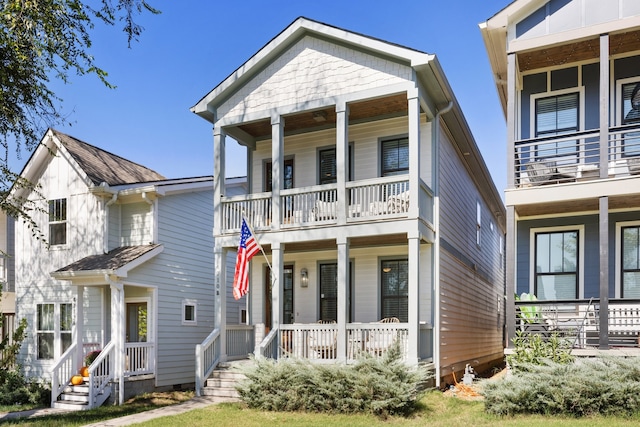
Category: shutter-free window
<point>45,330</point>
<point>329,292</point>
<point>631,262</point>
<point>631,115</point>
<point>58,222</point>
<point>556,265</point>
<point>395,156</point>
<point>327,166</point>
<point>395,289</point>
<point>557,115</point>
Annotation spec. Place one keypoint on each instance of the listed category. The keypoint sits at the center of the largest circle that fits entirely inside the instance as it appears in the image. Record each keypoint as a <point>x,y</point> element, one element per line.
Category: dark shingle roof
<point>102,166</point>
<point>112,260</point>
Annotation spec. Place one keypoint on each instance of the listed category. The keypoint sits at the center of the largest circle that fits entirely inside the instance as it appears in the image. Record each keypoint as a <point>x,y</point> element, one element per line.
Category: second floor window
<point>58,222</point>
<point>557,115</point>
<point>631,116</point>
<point>327,166</point>
<point>395,156</point>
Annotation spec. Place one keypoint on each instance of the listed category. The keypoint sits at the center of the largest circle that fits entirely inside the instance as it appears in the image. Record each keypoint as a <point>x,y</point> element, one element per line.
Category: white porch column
<point>510,275</point>
<point>343,287</point>
<point>604,106</point>
<point>414,151</point>
<point>277,168</point>
<point>220,297</point>
<point>118,313</point>
<point>342,160</point>
<point>218,181</point>
<point>414,300</point>
<point>79,326</point>
<point>512,114</point>
<point>277,263</point>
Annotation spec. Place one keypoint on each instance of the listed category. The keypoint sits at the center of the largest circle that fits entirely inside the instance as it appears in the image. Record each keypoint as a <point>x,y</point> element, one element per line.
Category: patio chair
<point>380,339</point>
<point>323,342</point>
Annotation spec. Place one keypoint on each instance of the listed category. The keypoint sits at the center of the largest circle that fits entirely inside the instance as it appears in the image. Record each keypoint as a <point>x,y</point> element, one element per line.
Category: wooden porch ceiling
<point>358,242</point>
<point>390,106</point>
<point>579,51</point>
<point>570,206</point>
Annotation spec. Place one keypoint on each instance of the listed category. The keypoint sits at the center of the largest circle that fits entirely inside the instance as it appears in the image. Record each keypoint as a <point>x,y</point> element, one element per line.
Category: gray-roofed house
<point>127,269</point>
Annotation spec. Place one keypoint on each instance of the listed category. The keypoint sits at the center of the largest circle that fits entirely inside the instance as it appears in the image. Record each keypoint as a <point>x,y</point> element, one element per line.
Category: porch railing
<point>62,371</point>
<point>240,341</point>
<point>370,199</point>
<point>376,338</point>
<point>577,322</point>
<point>207,358</point>
<point>576,157</point>
<point>101,373</point>
<point>269,346</point>
<point>139,358</point>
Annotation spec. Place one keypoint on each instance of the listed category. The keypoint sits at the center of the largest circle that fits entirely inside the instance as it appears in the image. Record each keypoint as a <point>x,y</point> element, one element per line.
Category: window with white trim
<point>58,222</point>
<point>630,265</point>
<point>395,156</point>
<point>395,289</point>
<point>189,312</point>
<point>556,264</point>
<point>54,327</point>
<point>557,115</point>
<point>629,95</point>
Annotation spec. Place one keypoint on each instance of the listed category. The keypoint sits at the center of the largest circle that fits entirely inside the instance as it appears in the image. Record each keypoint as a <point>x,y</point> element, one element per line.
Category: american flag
<point>247,248</point>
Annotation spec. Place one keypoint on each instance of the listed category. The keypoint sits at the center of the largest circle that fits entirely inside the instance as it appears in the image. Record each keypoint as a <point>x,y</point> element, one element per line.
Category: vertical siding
<point>183,270</point>
<point>471,275</point>
<point>114,226</point>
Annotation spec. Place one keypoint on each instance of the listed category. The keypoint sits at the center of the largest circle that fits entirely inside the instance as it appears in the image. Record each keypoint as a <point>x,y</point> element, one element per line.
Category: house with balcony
<point>7,279</point>
<point>568,76</point>
<point>124,266</point>
<point>378,218</point>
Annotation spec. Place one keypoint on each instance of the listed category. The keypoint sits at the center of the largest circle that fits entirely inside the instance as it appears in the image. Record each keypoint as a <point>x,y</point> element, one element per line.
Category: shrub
<point>378,386</point>
<point>15,389</point>
<point>607,386</point>
<point>533,349</point>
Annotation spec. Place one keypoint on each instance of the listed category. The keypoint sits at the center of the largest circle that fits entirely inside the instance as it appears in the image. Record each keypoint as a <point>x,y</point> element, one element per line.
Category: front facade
<point>568,75</point>
<point>124,267</point>
<point>375,210</point>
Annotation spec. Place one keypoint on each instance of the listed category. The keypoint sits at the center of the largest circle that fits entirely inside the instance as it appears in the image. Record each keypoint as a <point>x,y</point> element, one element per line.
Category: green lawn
<point>435,410</point>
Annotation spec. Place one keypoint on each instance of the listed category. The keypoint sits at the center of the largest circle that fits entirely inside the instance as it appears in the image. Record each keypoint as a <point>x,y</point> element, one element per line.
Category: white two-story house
<point>376,212</point>
<point>125,267</point>
<point>568,76</point>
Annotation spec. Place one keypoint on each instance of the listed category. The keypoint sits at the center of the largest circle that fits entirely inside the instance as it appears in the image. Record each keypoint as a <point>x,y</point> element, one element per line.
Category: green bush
<point>533,349</point>
<point>16,390</point>
<point>378,386</point>
<point>606,386</point>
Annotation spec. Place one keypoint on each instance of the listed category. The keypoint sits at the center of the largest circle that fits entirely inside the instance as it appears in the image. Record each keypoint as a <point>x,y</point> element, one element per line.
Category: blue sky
<point>194,44</point>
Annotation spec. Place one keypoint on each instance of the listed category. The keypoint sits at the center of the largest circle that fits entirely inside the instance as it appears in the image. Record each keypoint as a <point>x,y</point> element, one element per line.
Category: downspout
<point>436,245</point>
<point>119,333</point>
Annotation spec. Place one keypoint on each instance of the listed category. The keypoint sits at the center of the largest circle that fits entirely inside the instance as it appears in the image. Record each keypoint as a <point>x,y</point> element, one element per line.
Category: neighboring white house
<point>127,269</point>
<point>568,76</point>
<point>370,198</point>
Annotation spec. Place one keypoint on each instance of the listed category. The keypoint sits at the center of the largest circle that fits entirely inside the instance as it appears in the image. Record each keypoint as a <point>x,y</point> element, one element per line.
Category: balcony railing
<point>372,199</point>
<point>577,322</point>
<point>576,157</point>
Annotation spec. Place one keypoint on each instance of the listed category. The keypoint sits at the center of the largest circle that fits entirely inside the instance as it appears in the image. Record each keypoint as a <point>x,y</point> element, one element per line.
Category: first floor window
<point>556,265</point>
<point>54,324</point>
<point>329,292</point>
<point>189,312</point>
<point>395,289</point>
<point>631,262</point>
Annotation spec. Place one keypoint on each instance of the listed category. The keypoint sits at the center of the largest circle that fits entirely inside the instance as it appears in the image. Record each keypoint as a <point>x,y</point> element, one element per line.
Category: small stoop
<point>76,397</point>
<point>222,383</point>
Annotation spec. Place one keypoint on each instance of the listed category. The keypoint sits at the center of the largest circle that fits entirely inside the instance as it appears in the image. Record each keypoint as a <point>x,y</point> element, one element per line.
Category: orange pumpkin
<point>77,380</point>
<point>84,371</point>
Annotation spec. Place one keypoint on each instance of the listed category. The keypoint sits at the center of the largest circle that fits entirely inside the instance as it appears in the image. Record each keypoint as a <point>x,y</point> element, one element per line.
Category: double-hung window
<point>395,156</point>
<point>54,324</point>
<point>395,289</point>
<point>58,222</point>
<point>630,273</point>
<point>327,165</point>
<point>329,292</point>
<point>557,115</point>
<point>556,264</point>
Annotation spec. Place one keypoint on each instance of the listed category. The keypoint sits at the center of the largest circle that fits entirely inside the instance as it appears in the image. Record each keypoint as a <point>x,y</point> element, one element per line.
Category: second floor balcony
<point>577,157</point>
<point>365,200</point>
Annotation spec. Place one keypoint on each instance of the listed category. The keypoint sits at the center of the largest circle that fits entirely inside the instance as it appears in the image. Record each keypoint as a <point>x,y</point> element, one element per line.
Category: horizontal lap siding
<point>184,270</point>
<point>471,275</point>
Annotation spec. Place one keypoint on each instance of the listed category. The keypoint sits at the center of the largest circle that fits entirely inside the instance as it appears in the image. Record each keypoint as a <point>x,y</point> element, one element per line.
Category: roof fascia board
<point>297,30</point>
<point>164,190</point>
<point>514,12</point>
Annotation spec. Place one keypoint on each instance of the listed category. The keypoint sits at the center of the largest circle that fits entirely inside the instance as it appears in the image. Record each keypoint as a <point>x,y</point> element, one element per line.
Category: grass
<point>144,402</point>
<point>434,409</point>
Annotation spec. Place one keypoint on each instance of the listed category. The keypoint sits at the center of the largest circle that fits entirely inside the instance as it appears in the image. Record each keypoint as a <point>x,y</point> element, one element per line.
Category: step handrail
<point>65,367</point>
<point>101,372</point>
<point>207,358</point>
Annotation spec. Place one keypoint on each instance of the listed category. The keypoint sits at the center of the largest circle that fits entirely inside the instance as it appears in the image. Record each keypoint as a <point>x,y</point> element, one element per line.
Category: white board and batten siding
<point>34,262</point>
<point>471,275</point>
<point>184,270</point>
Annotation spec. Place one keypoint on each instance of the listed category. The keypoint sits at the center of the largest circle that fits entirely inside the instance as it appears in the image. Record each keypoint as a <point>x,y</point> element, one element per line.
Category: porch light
<point>319,116</point>
<point>304,278</point>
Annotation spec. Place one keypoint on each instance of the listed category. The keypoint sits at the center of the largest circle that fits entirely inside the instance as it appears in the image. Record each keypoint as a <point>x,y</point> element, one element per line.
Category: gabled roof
<point>103,166</point>
<point>117,262</point>
<point>295,31</point>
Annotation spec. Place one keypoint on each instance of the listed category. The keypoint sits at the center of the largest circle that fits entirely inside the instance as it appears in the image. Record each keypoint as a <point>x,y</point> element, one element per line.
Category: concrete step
<point>74,397</point>
<point>71,405</point>
<point>221,392</point>
<point>222,382</point>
